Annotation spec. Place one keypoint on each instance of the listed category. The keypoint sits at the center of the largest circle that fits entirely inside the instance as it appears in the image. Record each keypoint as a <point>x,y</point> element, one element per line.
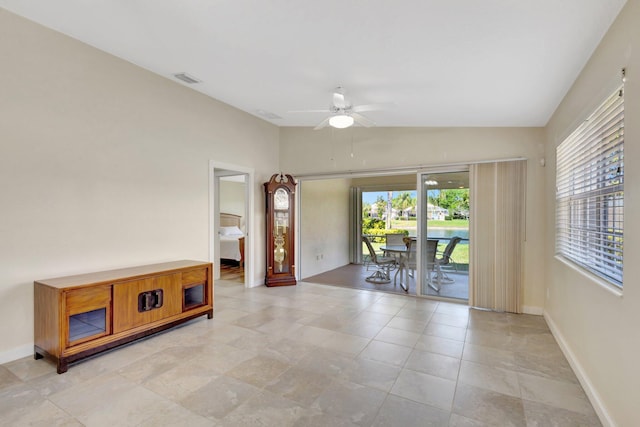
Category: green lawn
<point>402,224</point>
<point>460,254</point>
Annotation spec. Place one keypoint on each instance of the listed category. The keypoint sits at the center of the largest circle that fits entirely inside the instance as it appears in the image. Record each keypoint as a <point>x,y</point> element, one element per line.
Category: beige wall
<point>305,151</point>
<point>324,228</point>
<point>104,165</point>
<point>598,329</point>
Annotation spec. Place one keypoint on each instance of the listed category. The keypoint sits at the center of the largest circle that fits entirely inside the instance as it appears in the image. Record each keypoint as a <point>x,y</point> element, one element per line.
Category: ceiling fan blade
<point>374,107</point>
<point>309,111</point>
<point>322,124</point>
<point>362,120</point>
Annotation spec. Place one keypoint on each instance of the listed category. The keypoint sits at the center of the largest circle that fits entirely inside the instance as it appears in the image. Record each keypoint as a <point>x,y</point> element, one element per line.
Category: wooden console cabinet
<point>78,316</point>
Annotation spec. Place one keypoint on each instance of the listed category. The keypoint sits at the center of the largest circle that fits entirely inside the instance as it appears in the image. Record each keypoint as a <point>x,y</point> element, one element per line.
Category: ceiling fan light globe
<point>341,121</point>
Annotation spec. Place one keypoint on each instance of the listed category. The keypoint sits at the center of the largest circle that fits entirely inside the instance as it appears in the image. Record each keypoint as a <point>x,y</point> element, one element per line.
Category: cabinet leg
<point>210,314</point>
<point>37,355</point>
<point>63,366</point>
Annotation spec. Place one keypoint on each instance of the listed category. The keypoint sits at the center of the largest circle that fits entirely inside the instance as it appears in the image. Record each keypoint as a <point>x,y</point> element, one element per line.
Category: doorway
<point>231,224</point>
<point>337,212</point>
<point>444,233</point>
<point>380,205</point>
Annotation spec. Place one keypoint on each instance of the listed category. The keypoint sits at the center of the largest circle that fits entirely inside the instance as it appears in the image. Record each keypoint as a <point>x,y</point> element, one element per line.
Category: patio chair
<point>366,258</point>
<point>383,264</point>
<point>445,260</point>
<point>395,239</point>
<point>432,266</point>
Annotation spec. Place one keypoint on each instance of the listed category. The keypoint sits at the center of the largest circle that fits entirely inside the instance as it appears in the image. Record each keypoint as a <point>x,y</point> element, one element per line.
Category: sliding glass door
<point>381,209</point>
<point>444,233</point>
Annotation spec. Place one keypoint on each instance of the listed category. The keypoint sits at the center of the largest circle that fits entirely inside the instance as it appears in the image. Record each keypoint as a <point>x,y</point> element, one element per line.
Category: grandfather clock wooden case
<point>280,197</point>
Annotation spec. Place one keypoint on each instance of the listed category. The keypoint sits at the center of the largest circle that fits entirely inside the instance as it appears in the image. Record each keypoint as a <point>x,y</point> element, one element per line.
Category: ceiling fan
<point>343,114</point>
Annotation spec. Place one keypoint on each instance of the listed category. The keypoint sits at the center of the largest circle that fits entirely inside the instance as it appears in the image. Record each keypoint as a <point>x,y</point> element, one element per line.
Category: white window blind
<point>590,192</point>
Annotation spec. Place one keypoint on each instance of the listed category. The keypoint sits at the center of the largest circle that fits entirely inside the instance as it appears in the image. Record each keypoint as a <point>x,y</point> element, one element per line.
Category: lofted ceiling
<point>441,63</point>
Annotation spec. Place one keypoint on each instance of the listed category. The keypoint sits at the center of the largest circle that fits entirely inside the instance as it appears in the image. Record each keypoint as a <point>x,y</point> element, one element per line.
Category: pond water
<point>446,233</point>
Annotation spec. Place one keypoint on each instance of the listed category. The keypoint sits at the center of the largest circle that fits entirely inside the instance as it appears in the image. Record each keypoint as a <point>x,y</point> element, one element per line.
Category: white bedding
<point>229,247</point>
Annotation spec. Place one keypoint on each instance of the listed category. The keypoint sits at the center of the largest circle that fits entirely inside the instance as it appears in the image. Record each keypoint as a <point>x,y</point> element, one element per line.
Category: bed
<point>231,238</point>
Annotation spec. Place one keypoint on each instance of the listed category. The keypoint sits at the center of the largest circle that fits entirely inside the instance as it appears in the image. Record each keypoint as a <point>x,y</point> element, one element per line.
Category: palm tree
<point>380,206</point>
<point>389,211</point>
<point>403,201</point>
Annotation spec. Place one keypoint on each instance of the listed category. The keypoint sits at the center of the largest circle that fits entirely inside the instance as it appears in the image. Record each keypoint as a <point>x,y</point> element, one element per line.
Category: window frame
<point>589,220</point>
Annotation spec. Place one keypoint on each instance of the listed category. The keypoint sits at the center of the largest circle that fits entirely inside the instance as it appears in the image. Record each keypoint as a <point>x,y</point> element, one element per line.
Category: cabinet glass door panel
<point>90,324</point>
<point>88,312</point>
<point>194,296</point>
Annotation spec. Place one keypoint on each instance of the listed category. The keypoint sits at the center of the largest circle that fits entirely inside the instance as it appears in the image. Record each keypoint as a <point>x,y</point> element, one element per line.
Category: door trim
<point>214,217</point>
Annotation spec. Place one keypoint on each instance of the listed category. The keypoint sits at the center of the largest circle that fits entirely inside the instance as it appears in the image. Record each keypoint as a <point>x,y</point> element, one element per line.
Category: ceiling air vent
<point>187,78</point>
<point>268,114</point>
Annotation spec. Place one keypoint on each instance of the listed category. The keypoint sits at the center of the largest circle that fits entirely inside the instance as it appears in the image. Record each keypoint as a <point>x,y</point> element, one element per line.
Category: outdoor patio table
<point>401,250</point>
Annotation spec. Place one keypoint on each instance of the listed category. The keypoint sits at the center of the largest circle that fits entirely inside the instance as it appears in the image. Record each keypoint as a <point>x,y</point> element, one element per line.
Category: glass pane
<point>387,213</point>
<point>194,296</point>
<point>281,199</point>
<point>83,325</point>
<point>445,244</point>
<point>281,240</point>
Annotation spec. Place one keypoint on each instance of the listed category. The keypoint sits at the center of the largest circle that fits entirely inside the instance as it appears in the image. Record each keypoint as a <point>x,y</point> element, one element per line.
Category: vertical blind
<point>590,192</point>
<point>497,235</point>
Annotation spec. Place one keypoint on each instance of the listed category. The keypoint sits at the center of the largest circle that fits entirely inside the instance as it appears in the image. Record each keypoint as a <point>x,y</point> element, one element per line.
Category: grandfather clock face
<point>281,199</point>
<point>280,240</point>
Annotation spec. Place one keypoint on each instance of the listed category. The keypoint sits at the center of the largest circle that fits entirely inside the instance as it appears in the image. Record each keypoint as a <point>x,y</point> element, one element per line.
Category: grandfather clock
<point>279,195</point>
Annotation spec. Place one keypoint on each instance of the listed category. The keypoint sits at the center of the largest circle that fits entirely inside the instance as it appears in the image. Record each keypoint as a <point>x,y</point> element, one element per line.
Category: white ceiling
<point>442,63</point>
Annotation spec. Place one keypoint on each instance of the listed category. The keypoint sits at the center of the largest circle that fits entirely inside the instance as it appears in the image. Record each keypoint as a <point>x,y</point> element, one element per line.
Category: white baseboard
<point>16,353</point>
<point>255,284</point>
<point>527,309</point>
<point>589,389</point>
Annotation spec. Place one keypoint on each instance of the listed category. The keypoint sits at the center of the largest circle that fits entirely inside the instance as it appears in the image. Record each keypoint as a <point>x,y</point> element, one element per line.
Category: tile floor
<point>313,355</point>
<point>354,275</point>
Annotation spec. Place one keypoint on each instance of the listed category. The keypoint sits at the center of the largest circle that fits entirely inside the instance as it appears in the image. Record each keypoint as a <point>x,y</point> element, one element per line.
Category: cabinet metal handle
<point>157,296</point>
<point>150,300</point>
